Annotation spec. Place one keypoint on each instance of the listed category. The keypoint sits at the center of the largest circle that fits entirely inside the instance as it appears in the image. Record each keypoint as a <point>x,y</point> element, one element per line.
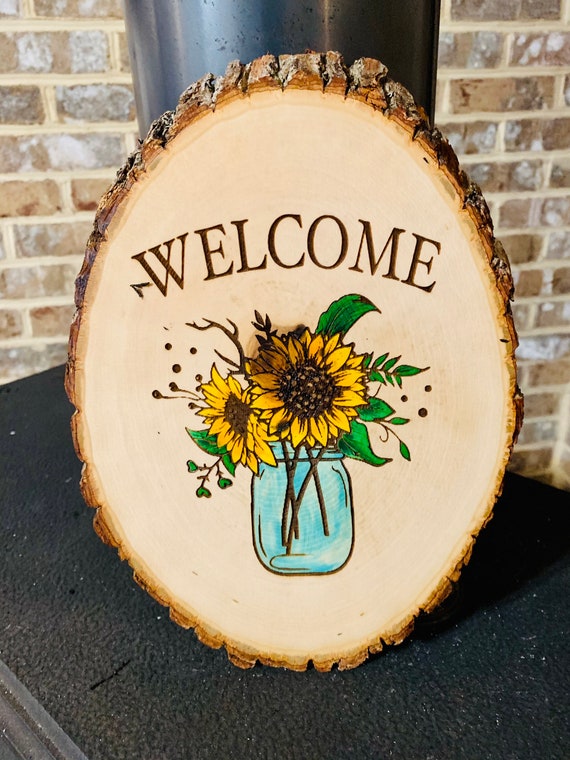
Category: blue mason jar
<point>302,514</point>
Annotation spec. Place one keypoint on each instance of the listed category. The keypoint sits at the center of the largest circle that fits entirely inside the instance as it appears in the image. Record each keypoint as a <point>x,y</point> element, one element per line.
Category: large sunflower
<point>234,422</point>
<point>308,388</point>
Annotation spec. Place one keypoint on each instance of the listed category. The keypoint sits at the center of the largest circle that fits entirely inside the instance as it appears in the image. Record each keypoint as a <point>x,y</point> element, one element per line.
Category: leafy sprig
<point>387,371</point>
<point>208,443</point>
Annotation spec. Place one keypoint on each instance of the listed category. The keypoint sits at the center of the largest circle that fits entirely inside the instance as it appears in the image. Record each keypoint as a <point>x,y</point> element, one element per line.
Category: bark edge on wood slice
<point>364,91</point>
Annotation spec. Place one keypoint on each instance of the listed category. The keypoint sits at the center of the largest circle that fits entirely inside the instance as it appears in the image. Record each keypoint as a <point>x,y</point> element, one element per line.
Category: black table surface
<point>484,677</point>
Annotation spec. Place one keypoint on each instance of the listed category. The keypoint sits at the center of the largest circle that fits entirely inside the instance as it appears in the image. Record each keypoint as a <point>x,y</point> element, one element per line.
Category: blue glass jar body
<point>302,516</point>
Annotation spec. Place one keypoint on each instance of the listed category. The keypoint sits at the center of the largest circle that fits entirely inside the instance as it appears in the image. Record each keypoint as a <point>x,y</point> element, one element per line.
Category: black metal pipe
<point>172,43</point>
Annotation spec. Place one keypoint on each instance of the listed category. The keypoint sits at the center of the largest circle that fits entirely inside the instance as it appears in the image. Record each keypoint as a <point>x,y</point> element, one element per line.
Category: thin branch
<point>231,334</point>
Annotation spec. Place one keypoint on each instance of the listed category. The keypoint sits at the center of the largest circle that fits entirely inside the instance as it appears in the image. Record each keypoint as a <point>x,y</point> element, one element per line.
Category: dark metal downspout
<point>173,43</point>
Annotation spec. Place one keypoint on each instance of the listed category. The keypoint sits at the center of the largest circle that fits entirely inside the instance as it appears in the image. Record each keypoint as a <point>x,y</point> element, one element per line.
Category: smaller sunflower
<point>308,388</point>
<point>235,423</point>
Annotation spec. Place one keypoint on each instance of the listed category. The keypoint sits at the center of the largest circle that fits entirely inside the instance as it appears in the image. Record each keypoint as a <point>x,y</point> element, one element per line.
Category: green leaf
<point>224,483</point>
<point>375,410</point>
<point>203,492</point>
<point>379,361</point>
<point>376,377</point>
<point>192,466</point>
<point>229,464</point>
<point>207,442</point>
<point>367,360</point>
<point>405,370</point>
<point>356,445</point>
<point>390,363</point>
<point>404,451</point>
<point>398,421</point>
<point>343,314</point>
<point>389,379</point>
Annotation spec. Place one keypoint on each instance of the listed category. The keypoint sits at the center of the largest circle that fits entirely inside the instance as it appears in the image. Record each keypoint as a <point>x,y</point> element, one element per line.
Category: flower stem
<point>296,503</point>
<point>322,506</point>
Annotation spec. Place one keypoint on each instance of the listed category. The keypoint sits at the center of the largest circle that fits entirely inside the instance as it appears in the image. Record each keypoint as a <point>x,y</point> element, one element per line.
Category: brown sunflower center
<point>307,391</point>
<point>237,414</point>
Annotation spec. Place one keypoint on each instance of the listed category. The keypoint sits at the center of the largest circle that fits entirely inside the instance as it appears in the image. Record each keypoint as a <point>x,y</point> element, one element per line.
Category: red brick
<point>51,321</point>
<point>8,53</point>
<point>86,193</point>
<point>532,461</point>
<point>545,49</point>
<point>541,404</point>
<point>61,152</point>
<point>519,212</point>
<point>21,361</point>
<point>521,315</point>
<point>472,137</point>
<point>549,373</point>
<point>537,134</point>
<point>63,239</point>
<point>95,102</point>
<point>522,248</point>
<point>553,314</point>
<point>560,174</point>
<point>542,431</point>
<point>79,8</point>
<point>506,10</point>
<point>561,281</point>
<point>34,282</point>
<point>501,94</point>
<point>528,283</point>
<point>124,60</point>
<point>555,212</point>
<point>10,8</point>
<point>504,176</point>
<point>19,198</point>
<point>21,104</point>
<point>10,323</point>
<point>558,245</point>
<point>485,10</point>
<point>471,50</point>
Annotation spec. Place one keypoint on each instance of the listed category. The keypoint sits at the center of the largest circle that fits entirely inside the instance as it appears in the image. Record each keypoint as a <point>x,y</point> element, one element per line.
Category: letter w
<point>164,261</point>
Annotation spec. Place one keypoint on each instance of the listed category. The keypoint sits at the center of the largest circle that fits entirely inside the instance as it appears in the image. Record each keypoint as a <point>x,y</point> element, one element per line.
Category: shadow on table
<point>529,532</point>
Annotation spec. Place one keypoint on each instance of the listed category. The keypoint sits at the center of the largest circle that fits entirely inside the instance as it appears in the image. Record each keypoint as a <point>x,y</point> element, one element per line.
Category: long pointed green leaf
<point>343,314</point>
<point>356,445</point>
<point>376,409</point>
<point>405,370</point>
<point>207,442</point>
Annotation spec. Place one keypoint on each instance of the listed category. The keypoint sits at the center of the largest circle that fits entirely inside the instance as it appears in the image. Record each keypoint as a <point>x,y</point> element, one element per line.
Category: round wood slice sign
<point>292,362</point>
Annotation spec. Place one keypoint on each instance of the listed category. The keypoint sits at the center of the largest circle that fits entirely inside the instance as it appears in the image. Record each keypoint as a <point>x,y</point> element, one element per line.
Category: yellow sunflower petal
<point>235,387</point>
<point>269,381</point>
<point>295,350</point>
<point>338,418</point>
<point>349,398</point>
<point>217,426</point>
<point>319,430</point>
<point>267,400</point>
<point>226,436</point>
<point>316,347</point>
<point>219,381</point>
<point>264,452</point>
<point>252,463</point>
<point>279,418</point>
<point>332,343</point>
<point>349,377</point>
<point>305,338</point>
<point>236,450</point>
<point>298,431</point>
<point>337,358</point>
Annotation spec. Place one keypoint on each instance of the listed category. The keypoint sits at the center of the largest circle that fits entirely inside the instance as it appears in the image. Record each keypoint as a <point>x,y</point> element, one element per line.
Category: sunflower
<point>234,422</point>
<point>309,387</point>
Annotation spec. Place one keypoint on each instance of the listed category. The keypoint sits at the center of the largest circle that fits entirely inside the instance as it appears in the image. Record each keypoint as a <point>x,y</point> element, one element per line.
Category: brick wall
<point>67,122</point>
